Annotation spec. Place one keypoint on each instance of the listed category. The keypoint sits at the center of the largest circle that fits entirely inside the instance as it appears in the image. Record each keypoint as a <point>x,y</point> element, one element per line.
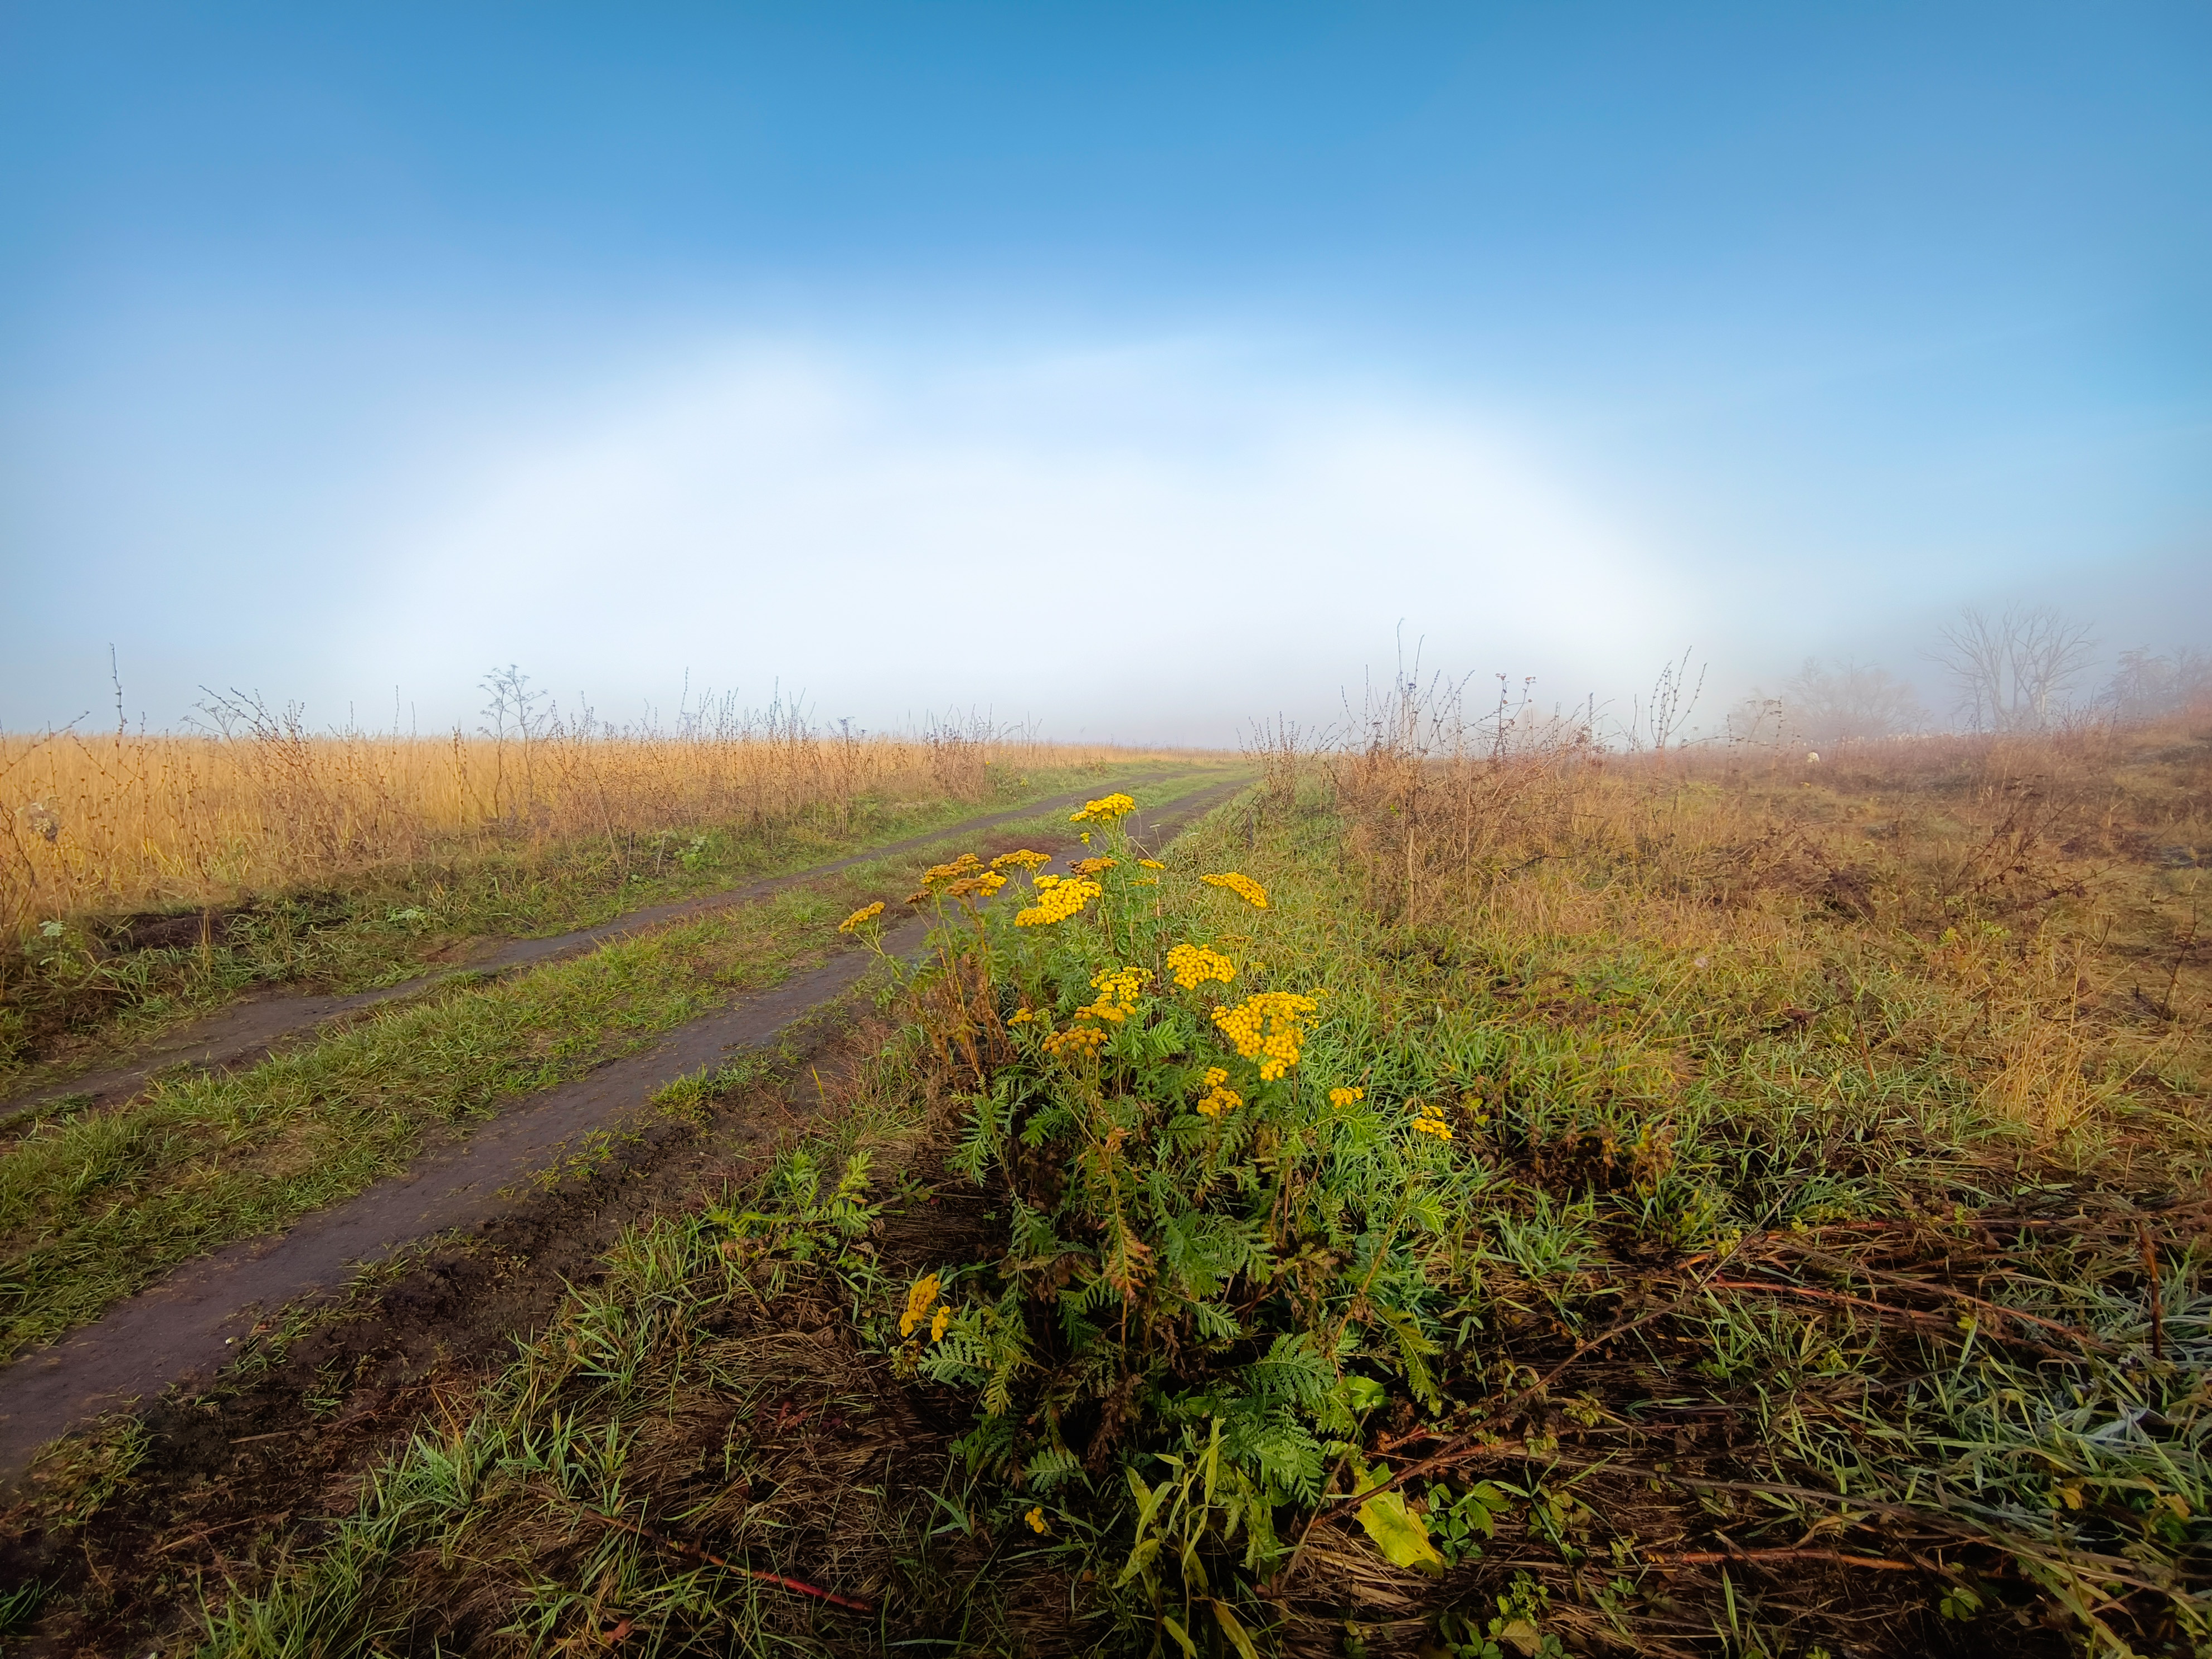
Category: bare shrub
<point>1440,801</point>
<point>1831,704</point>
<point>2147,687</point>
<point>2013,671</point>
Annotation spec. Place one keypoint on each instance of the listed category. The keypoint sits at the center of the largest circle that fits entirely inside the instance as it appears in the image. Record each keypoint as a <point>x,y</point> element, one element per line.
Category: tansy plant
<point>1213,1254</point>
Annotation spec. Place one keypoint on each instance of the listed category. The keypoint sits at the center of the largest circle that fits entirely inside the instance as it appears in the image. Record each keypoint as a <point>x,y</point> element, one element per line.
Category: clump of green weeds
<point>676,1396</point>
<point>1328,1216</point>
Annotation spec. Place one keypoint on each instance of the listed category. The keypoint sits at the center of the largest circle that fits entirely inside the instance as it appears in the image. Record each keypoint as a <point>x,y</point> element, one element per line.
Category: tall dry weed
<point>2021,880</point>
<point>256,800</point>
<point>1440,801</point>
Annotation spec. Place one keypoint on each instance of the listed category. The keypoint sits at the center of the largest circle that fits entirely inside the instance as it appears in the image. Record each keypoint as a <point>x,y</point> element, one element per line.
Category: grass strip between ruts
<point>389,926</point>
<point>98,1205</point>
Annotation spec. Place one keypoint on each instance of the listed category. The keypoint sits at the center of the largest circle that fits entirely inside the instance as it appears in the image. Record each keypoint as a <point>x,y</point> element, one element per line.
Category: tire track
<point>181,1328</point>
<point>248,1031</point>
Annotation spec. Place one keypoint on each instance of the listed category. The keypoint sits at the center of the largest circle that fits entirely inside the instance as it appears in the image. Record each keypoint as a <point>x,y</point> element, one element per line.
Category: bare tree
<point>2013,671</point>
<point>1830,703</point>
<point>2147,687</point>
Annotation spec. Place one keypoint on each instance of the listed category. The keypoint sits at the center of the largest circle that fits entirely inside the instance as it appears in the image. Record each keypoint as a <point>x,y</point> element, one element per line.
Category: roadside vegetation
<point>145,879</point>
<point>1477,1198</point>
<point>98,1203</point>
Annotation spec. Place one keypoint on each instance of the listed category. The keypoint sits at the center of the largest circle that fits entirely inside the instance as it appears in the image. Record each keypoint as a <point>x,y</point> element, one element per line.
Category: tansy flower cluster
<point>1194,964</point>
<point>982,886</point>
<point>1429,1120</point>
<point>1218,1097</point>
<point>1057,901</point>
<point>1243,886</point>
<point>1265,1027</point>
<point>1105,810</point>
<point>1093,867</point>
<point>942,875</point>
<point>1346,1097</point>
<point>919,1299</point>
<point>1151,864</point>
<point>1118,989</point>
<point>866,912</point>
<point>1025,860</point>
<point>1078,1040</point>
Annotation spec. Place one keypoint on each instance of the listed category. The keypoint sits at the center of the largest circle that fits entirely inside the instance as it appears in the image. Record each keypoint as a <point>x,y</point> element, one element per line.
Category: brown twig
<point>1849,1300</point>
<point>2150,1278</point>
<point>800,1586</point>
<point>226,1526</point>
<point>1582,1351</point>
<point>2107,1568</point>
<point>1719,1557</point>
<point>1842,1265</point>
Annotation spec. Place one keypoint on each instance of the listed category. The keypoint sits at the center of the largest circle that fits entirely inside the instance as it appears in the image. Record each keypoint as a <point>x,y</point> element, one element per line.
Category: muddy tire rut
<point>261,1462</point>
<point>323,1380</point>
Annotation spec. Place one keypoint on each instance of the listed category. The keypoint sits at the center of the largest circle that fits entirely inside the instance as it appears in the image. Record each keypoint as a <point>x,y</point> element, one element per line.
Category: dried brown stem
<point>798,1586</point>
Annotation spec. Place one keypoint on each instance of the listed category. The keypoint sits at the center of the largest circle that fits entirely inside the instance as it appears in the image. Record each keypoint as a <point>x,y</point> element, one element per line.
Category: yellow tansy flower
<point>1058,902</point>
<point>936,1326</point>
<point>979,886</point>
<point>1024,858</point>
<point>919,1301</point>
<point>941,875</point>
<point>1346,1097</point>
<point>1105,810</point>
<point>1194,964</point>
<point>1243,886</point>
<point>1036,1518</point>
<point>1075,1040</point>
<point>1265,1027</point>
<point>866,912</point>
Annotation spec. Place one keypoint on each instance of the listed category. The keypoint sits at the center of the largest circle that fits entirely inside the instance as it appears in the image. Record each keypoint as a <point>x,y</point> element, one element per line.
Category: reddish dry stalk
<point>799,1585</point>
<point>1722,1557</point>
<point>1933,1288</point>
<point>2150,1278</point>
<point>1914,1313</point>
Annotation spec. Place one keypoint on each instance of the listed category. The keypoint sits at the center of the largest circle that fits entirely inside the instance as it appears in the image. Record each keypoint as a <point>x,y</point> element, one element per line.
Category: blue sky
<point>1136,369</point>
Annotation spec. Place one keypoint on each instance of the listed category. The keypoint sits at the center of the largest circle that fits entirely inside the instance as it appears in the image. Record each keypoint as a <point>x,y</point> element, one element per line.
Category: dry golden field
<point>120,823</point>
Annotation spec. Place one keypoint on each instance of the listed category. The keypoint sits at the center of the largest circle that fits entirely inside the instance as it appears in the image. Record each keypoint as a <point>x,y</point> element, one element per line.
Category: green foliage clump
<point>1222,1251</point>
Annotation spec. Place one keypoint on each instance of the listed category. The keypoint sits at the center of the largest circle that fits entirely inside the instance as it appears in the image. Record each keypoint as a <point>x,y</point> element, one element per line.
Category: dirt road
<point>244,1033</point>
<point>186,1326</point>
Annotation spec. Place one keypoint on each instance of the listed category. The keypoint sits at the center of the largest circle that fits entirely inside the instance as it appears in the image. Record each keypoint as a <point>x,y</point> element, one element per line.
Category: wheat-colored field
<point>124,823</point>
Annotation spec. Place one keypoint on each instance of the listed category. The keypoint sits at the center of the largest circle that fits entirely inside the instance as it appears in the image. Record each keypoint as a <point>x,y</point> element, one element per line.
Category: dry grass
<point>2049,887</point>
<point>1817,1262</point>
<point>258,802</point>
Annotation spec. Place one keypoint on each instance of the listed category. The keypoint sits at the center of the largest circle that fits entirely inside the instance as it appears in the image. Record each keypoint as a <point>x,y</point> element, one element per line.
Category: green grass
<point>1738,1271</point>
<point>387,926</point>
<point>97,1204</point>
<point>614,1396</point>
